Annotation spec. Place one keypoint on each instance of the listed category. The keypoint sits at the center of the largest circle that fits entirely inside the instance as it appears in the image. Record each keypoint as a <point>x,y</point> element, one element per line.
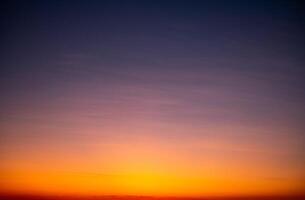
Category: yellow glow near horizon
<point>139,184</point>
<point>149,167</point>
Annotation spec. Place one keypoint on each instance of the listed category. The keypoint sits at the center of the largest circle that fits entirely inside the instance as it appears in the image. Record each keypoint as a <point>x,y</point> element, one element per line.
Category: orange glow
<point>139,184</point>
<point>145,166</point>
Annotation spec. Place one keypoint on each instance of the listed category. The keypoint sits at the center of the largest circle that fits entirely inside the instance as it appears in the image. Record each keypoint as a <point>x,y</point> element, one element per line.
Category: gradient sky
<point>152,97</point>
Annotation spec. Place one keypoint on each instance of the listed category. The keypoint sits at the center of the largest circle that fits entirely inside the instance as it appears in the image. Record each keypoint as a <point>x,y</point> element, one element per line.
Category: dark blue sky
<point>48,46</point>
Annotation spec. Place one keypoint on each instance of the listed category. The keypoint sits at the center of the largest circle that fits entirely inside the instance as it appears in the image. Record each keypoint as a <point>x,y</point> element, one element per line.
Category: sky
<point>179,98</point>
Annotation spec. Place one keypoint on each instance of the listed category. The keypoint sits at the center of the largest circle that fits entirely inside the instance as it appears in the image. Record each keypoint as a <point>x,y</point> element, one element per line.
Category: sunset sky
<point>158,98</point>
